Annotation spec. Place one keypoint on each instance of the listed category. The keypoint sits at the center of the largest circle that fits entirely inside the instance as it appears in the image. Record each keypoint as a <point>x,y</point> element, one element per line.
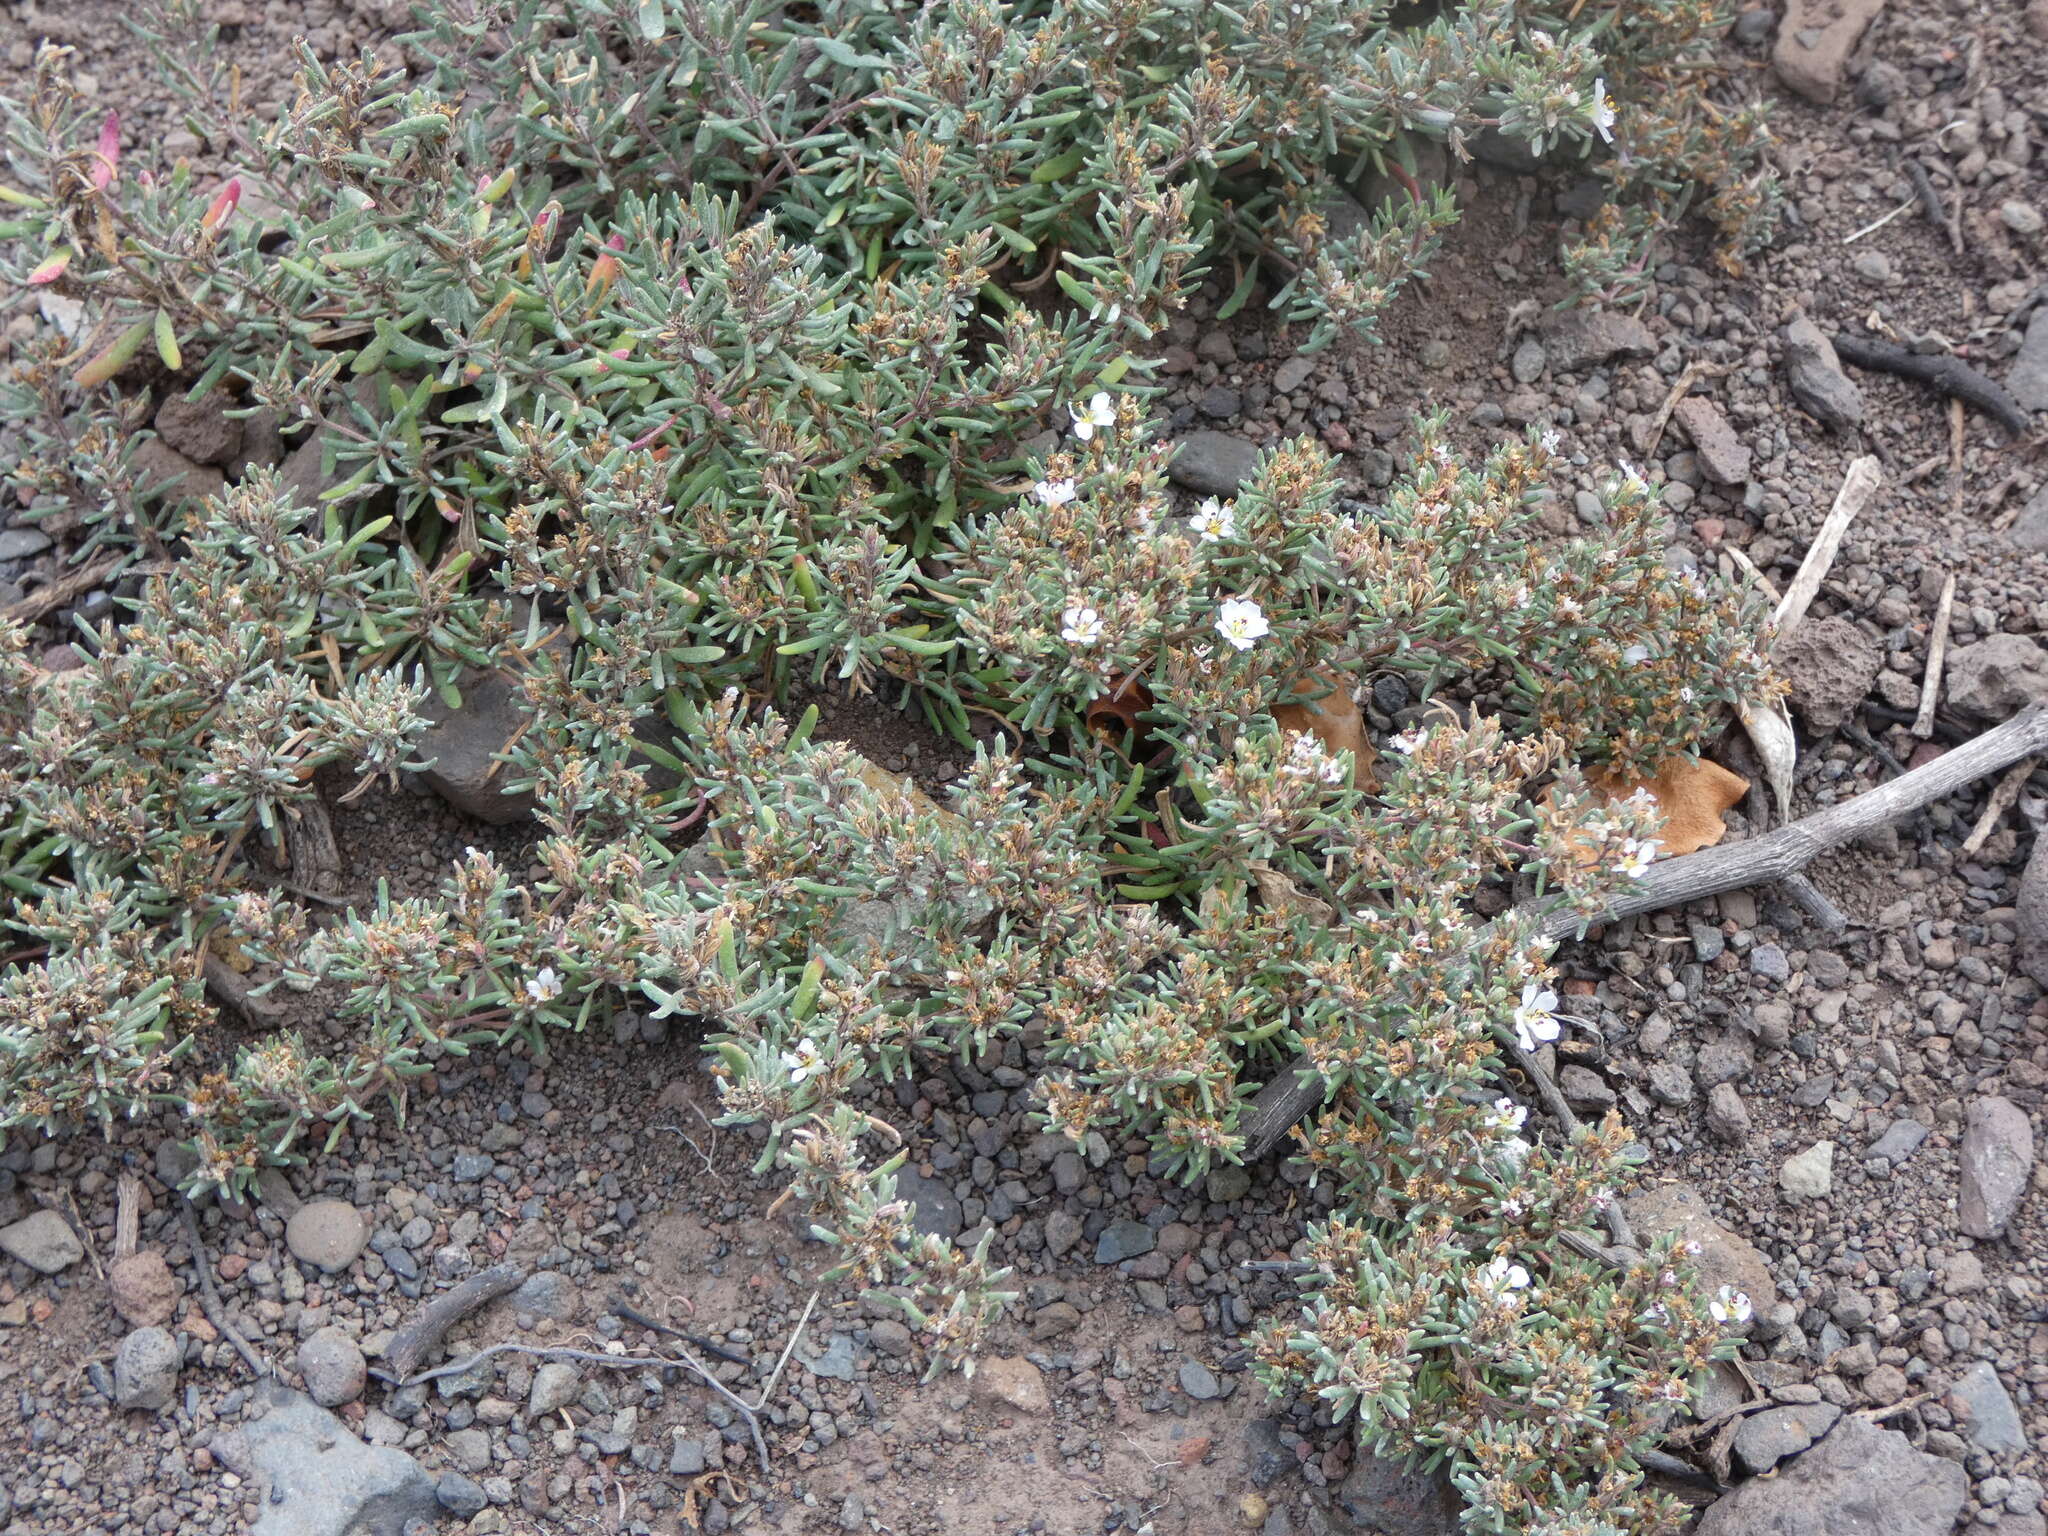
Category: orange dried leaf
<point>1691,794</point>
<point>1334,720</point>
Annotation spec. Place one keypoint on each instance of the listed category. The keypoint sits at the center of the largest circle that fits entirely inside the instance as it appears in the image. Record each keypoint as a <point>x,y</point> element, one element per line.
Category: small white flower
<point>1242,621</point>
<point>1691,1248</point>
<point>1501,1277</point>
<point>1100,411</point>
<point>1685,695</point>
<point>1636,856</point>
<point>1655,1314</point>
<point>1552,440</point>
<point>1515,1151</point>
<point>1603,111</point>
<point>1213,521</point>
<point>1630,477</point>
<point>1080,626</point>
<point>804,1061</point>
<point>1409,740</point>
<point>1533,1017</point>
<point>1306,759</point>
<point>1730,1307</point>
<point>545,986</point>
<point>1512,1209</point>
<point>1507,1116</point>
<point>1635,655</point>
<point>1641,800</point>
<point>1054,493</point>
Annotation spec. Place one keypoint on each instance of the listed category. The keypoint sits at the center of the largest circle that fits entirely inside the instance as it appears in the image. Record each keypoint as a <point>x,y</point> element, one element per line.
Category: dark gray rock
<point>1997,1157</point>
<point>554,1386</point>
<point>2030,529</point>
<point>1767,1438</point>
<point>331,1364</point>
<point>687,1459</point>
<point>2028,381</point>
<point>891,1338</point>
<point>1998,676</point>
<point>1831,666</point>
<point>1386,1498</point>
<point>1292,374</point>
<point>1818,383</point>
<point>460,1495</point>
<point>1860,1479</point>
<point>1126,1239</point>
<point>1979,1400</point>
<point>1213,463</point>
<point>160,469</point>
<point>1899,1142</point>
<point>938,1210</point>
<point>43,1241</point>
<point>1198,1381</point>
<point>20,543</point>
<point>1720,452</point>
<point>835,1362</point>
<point>1727,1115</point>
<point>1268,1452</point>
<point>1584,340</point>
<point>548,1293</point>
<point>322,1481</point>
<point>146,1370</point>
<point>462,747</point>
<point>200,432</point>
<point>1229,1182</point>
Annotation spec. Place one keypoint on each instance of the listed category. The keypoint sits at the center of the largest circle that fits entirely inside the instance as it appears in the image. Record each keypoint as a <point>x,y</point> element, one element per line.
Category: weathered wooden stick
<point>1297,1088</point>
<point>411,1343</point>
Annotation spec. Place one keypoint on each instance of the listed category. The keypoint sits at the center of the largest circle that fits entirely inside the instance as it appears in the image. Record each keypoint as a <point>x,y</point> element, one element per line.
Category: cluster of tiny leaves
<point>691,350</point>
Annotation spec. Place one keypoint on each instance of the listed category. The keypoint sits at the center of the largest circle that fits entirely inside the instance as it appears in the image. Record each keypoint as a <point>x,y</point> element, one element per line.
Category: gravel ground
<point>1737,1037</point>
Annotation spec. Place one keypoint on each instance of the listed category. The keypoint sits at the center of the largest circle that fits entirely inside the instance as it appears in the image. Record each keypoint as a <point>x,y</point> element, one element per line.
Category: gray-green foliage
<point>684,352</point>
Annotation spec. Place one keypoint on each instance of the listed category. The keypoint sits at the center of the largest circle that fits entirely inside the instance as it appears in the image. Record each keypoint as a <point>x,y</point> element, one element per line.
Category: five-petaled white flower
<point>804,1061</point>
<point>1515,1151</point>
<point>1501,1277</point>
<point>545,986</point>
<point>1100,411</point>
<point>1506,1115</point>
<point>1054,493</point>
<point>1552,440</point>
<point>1636,856</point>
<point>1242,621</point>
<point>1730,1306</point>
<point>1636,655</point>
<point>1603,111</point>
<point>1213,521</point>
<point>1409,740</point>
<point>1533,1021</point>
<point>1080,626</point>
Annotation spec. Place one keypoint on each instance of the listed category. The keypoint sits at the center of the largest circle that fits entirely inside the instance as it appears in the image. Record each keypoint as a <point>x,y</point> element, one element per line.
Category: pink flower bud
<point>222,205</point>
<point>109,153</point>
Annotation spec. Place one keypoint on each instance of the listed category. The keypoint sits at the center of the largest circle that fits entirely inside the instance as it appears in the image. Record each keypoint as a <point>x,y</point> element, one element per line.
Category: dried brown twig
<point>1298,1088</point>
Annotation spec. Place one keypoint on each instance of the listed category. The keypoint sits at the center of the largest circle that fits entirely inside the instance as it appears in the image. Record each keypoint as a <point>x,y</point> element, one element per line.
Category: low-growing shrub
<point>688,352</point>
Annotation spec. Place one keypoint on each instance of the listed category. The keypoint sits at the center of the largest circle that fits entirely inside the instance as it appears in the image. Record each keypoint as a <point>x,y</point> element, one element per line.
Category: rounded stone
<point>327,1234</point>
<point>332,1365</point>
<point>146,1370</point>
<point>143,1289</point>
